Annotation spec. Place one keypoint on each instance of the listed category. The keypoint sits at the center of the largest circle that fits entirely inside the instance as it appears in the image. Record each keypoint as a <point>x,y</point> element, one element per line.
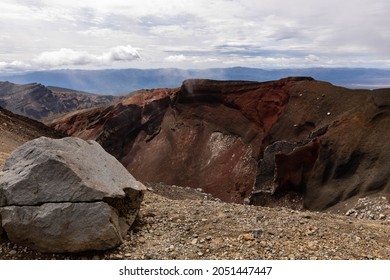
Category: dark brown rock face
<point>235,138</point>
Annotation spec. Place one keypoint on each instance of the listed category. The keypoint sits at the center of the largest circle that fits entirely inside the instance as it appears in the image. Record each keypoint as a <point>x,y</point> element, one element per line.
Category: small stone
<point>194,241</point>
<point>357,238</point>
<point>311,246</point>
<point>257,233</point>
<point>263,243</point>
<point>12,252</point>
<point>248,236</point>
<point>148,256</point>
<point>208,238</point>
<point>328,114</point>
<point>200,254</point>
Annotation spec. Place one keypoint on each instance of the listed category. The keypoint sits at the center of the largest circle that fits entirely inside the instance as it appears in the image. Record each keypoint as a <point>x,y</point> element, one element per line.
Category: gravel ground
<point>182,223</point>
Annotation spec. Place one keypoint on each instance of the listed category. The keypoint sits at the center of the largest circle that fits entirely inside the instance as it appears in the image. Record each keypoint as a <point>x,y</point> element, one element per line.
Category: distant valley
<point>124,81</point>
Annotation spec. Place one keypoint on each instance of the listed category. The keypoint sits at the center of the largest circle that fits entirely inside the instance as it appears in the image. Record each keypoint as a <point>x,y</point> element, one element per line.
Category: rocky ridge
<point>328,143</point>
<point>39,102</point>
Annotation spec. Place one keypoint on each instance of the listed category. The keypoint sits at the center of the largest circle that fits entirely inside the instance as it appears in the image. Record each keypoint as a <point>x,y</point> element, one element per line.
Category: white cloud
<point>176,58</point>
<point>170,31</point>
<point>15,65</point>
<point>69,57</point>
<point>120,53</point>
<point>198,33</point>
<point>312,58</point>
<point>192,59</point>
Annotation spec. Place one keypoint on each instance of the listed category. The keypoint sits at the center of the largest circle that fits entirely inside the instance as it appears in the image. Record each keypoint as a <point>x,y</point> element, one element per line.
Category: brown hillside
<point>247,140</point>
<point>15,130</point>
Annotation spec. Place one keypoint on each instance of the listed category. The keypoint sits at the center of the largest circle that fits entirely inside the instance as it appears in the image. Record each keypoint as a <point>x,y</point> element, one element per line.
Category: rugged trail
<point>183,223</point>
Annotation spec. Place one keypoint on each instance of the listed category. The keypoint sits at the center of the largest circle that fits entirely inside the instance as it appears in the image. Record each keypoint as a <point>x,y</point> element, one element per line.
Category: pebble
<point>248,236</point>
<point>148,256</point>
<point>311,246</point>
<point>194,241</point>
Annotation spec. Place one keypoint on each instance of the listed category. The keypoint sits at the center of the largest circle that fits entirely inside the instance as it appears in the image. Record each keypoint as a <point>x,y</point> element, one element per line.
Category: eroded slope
<point>246,140</point>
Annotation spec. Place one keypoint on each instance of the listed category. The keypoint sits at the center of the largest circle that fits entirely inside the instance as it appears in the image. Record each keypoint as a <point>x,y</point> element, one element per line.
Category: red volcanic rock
<point>238,139</point>
<point>207,134</point>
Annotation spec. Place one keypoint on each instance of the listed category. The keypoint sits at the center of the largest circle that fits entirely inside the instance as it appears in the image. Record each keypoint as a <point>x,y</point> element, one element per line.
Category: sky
<point>97,34</point>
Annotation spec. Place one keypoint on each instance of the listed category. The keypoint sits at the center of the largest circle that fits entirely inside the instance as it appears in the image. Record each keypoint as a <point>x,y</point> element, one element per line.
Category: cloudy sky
<point>93,34</point>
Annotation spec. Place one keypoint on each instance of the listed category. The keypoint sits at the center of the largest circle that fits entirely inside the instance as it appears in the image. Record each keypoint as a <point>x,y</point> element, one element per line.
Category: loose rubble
<point>196,226</point>
<point>373,208</point>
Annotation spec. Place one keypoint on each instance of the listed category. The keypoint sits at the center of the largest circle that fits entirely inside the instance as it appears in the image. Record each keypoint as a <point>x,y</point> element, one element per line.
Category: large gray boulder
<point>67,195</point>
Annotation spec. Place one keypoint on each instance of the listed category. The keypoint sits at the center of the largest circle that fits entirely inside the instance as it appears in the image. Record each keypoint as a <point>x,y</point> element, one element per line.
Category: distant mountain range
<point>40,102</point>
<point>124,81</point>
